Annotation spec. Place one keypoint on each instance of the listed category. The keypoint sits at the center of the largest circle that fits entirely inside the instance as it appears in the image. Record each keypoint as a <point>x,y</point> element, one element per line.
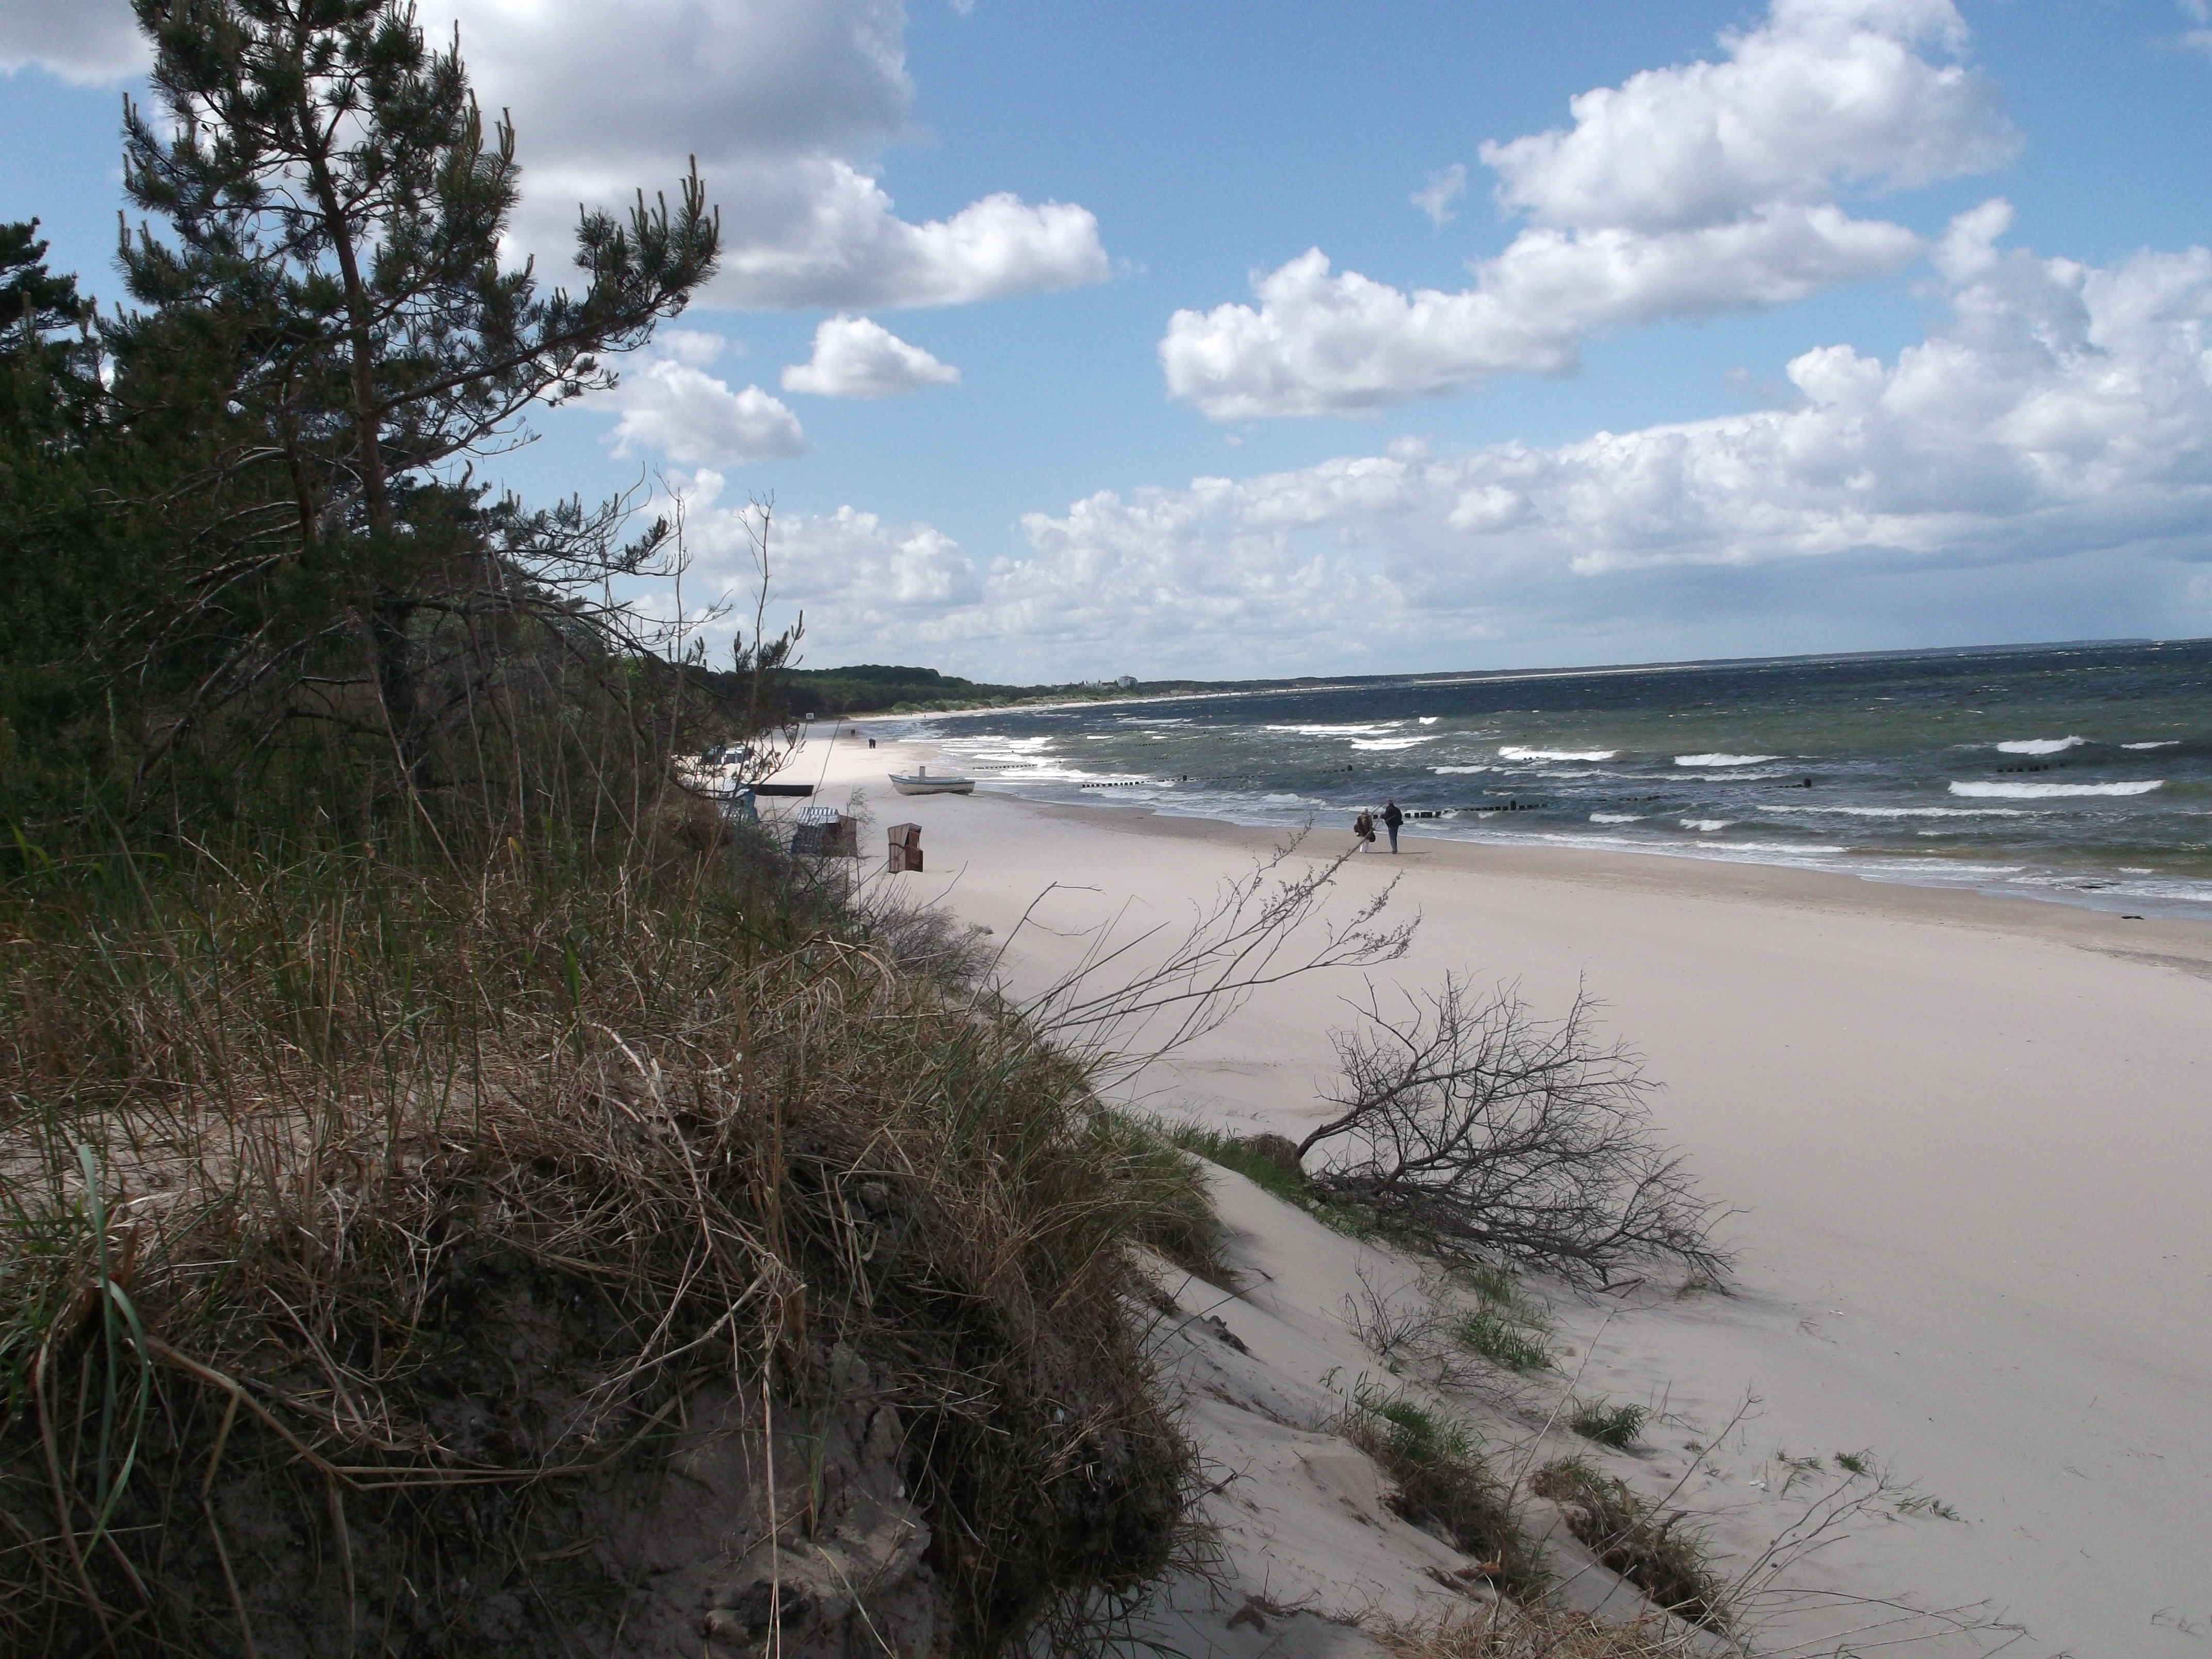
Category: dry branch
<point>1475,1130</point>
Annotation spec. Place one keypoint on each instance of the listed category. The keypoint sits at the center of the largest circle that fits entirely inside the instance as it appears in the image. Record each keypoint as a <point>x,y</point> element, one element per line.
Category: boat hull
<point>932,786</point>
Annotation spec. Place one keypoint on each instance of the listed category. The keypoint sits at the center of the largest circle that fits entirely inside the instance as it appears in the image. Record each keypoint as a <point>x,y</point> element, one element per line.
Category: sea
<point>2081,773</point>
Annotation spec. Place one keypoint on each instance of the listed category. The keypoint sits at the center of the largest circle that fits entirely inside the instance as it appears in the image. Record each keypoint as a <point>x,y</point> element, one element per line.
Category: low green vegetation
<point>1442,1482</point>
<point>1514,1630</point>
<point>1504,1338</point>
<point>1266,1164</point>
<point>1662,1556</point>
<point>1178,1221</point>
<point>1609,1425</point>
<point>1503,1327</point>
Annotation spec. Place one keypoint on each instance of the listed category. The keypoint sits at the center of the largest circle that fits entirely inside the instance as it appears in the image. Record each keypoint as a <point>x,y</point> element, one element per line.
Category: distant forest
<point>877,689</point>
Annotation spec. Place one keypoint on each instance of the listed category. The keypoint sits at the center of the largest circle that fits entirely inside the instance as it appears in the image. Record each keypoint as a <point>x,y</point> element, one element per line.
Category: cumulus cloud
<point>2063,409</point>
<point>1827,92</point>
<point>856,576</point>
<point>2060,419</point>
<point>85,44</point>
<point>1445,186</point>
<point>673,408</point>
<point>787,108</point>
<point>1684,192</point>
<point>856,357</point>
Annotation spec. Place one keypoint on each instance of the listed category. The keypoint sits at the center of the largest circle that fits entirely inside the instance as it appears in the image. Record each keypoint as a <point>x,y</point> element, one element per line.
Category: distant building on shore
<point>1127,681</point>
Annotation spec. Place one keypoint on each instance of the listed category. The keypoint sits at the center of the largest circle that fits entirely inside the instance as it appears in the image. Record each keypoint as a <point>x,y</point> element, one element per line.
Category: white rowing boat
<point>922,784</point>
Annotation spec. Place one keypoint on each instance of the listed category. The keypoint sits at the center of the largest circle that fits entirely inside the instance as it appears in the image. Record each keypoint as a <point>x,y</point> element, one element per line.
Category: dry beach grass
<point>367,1230</point>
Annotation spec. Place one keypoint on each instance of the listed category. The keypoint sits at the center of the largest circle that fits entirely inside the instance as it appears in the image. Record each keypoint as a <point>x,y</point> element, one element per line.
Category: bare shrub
<point>1475,1131</point>
<point>1123,1006</point>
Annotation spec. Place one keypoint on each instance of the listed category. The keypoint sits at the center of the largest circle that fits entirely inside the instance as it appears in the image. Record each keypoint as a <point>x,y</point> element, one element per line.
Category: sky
<point>1240,340</point>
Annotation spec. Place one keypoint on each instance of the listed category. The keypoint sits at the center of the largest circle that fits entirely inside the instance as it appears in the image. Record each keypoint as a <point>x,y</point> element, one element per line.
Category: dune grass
<point>1502,1326</point>
<point>1662,1556</point>
<point>1609,1425</point>
<point>1268,1170</point>
<point>301,1152</point>
<point>1441,1481</point>
<point>1512,1630</point>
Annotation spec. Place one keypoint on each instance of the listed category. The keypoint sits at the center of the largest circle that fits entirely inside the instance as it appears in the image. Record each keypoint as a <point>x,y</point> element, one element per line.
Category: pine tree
<point>328,339</point>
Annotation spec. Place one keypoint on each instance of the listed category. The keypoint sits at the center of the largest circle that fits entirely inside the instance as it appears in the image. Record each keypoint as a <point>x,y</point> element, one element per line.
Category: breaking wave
<point>2056,791</point>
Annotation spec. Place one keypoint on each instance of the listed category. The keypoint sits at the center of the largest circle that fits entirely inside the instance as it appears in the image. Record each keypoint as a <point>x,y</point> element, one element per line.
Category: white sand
<point>1970,1137</point>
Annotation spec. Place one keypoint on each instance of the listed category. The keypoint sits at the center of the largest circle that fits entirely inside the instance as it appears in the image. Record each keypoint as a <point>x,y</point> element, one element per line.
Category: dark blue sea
<point>2075,772</point>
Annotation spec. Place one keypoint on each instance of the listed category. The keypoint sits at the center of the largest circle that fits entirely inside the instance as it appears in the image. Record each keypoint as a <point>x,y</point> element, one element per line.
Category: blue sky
<point>1724,330</point>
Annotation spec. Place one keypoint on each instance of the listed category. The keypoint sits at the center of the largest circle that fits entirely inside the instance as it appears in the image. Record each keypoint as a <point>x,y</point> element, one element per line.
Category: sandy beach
<point>1966,1139</point>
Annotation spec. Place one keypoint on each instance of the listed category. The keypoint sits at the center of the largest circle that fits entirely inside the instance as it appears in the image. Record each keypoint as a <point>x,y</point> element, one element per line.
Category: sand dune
<point>1968,1138</point>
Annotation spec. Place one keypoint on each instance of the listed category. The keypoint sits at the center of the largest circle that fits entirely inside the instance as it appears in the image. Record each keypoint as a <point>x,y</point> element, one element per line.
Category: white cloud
<point>2058,425</point>
<point>1324,344</point>
<point>1445,186</point>
<point>856,578</point>
<point>86,43</point>
<point>787,108</point>
<point>856,357</point>
<point>816,231</point>
<point>697,347</point>
<point>2064,409</point>
<point>1685,192</point>
<point>673,408</point>
<point>1827,92</point>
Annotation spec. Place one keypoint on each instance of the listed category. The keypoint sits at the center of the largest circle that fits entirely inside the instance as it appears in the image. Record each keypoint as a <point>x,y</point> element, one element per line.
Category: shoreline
<point>2150,917</point>
<point>2188,937</point>
<point>1962,1136</point>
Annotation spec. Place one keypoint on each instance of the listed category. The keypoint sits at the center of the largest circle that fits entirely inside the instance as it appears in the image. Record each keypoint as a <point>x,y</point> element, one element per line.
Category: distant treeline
<point>877,688</point>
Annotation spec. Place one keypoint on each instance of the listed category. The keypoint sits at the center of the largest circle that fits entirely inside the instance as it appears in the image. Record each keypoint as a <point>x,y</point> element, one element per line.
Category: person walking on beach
<point>1363,828</point>
<point>1392,817</point>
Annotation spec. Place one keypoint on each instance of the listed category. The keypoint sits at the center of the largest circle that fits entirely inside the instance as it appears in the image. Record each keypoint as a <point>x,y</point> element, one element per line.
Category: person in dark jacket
<point>1392,817</point>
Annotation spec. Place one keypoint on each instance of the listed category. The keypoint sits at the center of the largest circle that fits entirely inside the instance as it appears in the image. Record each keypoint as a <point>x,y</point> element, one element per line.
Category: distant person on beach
<point>1363,828</point>
<point>1392,817</point>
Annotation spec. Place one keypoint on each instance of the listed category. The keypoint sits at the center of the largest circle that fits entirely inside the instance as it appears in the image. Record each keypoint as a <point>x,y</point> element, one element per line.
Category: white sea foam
<point>1617,818</point>
<point>2056,791</point>
<point>1707,826</point>
<point>1724,760</point>
<point>1394,743</point>
<point>994,745</point>
<point>2039,745</point>
<point>1911,811</point>
<point>2163,743</point>
<point>1428,720</point>
<point>1345,730</point>
<point>1514,752</point>
<point>1462,768</point>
